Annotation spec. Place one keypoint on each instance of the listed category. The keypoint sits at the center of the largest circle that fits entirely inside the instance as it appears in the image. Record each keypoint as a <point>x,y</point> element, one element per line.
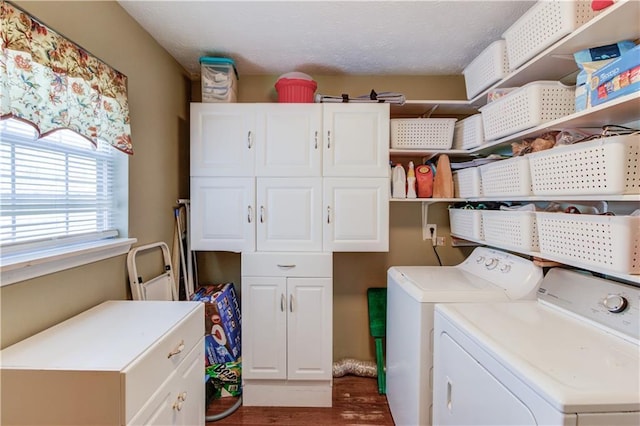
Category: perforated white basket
<point>509,177</point>
<point>510,229</point>
<point>467,183</point>
<point>488,67</point>
<point>610,243</point>
<point>466,223</point>
<point>528,106</point>
<point>422,133</point>
<point>606,166</point>
<point>468,133</point>
<point>545,23</point>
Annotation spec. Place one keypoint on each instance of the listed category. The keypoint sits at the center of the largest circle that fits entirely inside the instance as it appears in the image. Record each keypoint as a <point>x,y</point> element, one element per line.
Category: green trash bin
<point>377,303</point>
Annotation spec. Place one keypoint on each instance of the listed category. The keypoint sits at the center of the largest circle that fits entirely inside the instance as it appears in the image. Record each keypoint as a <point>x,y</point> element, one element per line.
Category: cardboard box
<point>618,78</point>
<point>222,323</point>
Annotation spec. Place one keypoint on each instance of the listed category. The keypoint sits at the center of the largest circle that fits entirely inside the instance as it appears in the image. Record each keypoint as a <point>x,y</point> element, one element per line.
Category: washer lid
<point>433,284</point>
<point>573,365</point>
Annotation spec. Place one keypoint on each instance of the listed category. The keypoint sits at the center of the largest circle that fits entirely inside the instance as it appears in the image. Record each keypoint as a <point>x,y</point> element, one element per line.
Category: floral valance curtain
<point>53,83</point>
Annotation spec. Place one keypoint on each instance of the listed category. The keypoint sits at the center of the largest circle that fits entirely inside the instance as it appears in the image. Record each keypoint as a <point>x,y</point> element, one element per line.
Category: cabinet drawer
<point>146,374</point>
<point>287,264</point>
<point>180,400</point>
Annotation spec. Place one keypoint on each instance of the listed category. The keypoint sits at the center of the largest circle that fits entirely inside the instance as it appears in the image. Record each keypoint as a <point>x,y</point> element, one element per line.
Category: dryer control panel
<point>607,303</point>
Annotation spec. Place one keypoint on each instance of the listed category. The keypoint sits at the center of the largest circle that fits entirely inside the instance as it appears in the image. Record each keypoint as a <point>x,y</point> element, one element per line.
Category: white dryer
<point>412,292</point>
<point>570,358</point>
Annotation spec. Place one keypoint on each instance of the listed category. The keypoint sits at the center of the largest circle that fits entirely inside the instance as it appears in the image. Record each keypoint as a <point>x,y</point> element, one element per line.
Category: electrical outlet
<point>433,232</point>
<point>440,241</point>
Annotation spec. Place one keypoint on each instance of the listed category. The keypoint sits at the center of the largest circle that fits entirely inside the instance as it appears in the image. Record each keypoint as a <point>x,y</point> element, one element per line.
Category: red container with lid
<point>296,87</point>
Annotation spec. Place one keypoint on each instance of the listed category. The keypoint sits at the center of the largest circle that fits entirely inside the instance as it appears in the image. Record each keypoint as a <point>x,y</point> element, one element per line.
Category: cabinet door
<point>222,214</point>
<point>264,324</point>
<point>356,140</point>
<point>288,214</point>
<point>356,214</point>
<point>222,139</point>
<point>288,140</point>
<point>310,328</point>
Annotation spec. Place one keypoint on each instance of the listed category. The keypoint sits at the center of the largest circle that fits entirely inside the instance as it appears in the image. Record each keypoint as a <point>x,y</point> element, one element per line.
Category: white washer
<point>413,291</point>
<point>570,358</point>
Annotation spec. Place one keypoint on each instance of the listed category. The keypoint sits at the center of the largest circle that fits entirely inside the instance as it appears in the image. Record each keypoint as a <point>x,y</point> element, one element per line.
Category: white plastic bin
<point>466,183</point>
<point>511,229</point>
<point>545,23</point>
<point>219,79</point>
<point>528,106</point>
<point>468,133</point>
<point>466,223</point>
<point>422,133</point>
<point>607,243</point>
<point>487,68</point>
<point>509,177</point>
<point>606,166</point>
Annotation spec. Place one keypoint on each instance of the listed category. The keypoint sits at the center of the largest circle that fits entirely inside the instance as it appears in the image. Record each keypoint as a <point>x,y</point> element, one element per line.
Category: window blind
<point>55,190</point>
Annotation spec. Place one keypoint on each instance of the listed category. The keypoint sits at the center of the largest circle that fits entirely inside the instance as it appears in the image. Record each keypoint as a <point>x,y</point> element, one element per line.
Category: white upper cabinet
<point>356,140</point>
<point>222,139</point>
<point>288,214</point>
<point>289,140</point>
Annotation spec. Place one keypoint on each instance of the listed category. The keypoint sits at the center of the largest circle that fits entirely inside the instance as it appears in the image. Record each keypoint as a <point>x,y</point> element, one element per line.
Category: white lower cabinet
<point>287,329</point>
<point>119,363</point>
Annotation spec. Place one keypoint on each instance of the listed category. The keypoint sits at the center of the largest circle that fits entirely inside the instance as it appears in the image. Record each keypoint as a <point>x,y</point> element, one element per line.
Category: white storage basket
<point>487,68</point>
<point>545,23</point>
<point>509,177</point>
<point>422,133</point>
<point>610,243</point>
<point>466,183</point>
<point>606,166</point>
<point>466,223</point>
<point>528,106</point>
<point>468,133</point>
<point>510,229</point>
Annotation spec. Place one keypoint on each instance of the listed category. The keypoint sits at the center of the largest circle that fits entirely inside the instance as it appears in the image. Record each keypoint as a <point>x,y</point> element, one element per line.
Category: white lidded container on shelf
<point>219,79</point>
<point>487,68</point>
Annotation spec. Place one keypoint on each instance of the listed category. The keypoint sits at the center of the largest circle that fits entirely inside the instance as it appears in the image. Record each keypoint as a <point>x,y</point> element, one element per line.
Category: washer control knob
<point>479,259</point>
<point>505,268</point>
<point>615,303</point>
<point>492,263</point>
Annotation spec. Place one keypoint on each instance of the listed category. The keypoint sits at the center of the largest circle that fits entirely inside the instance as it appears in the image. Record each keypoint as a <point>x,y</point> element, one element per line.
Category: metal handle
<point>328,214</point>
<point>249,139</point>
<point>289,266</point>
<point>261,214</point>
<point>449,386</point>
<point>328,139</point>
<point>249,214</point>
<point>316,140</point>
<point>282,302</point>
<point>177,350</point>
<point>291,303</point>
<point>182,396</point>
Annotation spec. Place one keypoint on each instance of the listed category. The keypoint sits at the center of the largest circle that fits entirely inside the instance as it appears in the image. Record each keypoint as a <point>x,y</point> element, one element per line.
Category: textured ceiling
<point>328,37</point>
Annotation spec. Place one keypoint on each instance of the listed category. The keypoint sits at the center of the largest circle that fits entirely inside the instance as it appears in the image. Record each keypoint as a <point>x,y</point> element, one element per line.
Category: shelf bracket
<point>426,235</point>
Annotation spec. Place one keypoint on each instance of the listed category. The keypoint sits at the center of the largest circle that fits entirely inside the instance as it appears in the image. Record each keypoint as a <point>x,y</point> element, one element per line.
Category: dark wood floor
<point>355,402</point>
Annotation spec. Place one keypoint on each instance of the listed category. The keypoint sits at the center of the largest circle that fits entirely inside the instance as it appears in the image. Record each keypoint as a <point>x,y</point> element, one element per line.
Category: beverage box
<point>618,78</point>
<point>222,323</point>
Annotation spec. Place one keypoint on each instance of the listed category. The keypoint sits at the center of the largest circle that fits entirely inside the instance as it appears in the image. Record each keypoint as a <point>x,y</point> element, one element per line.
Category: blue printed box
<point>618,78</point>
<point>222,323</point>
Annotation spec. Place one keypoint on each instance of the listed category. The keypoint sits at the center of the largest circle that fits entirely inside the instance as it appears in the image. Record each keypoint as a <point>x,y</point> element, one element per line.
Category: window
<point>58,191</point>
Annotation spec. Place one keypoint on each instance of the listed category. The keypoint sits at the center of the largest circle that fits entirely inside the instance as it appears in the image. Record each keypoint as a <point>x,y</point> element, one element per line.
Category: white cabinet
<point>287,329</point>
<point>356,214</point>
<point>121,362</point>
<point>356,140</point>
<point>222,213</point>
<point>274,202</point>
<point>288,214</point>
